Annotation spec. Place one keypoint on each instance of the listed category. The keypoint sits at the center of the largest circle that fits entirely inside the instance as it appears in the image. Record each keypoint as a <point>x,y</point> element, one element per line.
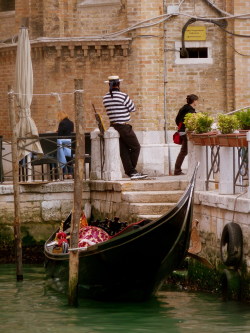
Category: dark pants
<point>129,147</point>
<point>180,158</point>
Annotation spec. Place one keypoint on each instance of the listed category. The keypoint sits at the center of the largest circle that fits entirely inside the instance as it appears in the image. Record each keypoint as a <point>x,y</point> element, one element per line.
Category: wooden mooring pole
<point>78,187</point>
<point>15,172</point>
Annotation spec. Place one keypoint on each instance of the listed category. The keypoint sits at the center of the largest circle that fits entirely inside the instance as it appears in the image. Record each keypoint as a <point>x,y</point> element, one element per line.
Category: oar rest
<point>49,158</point>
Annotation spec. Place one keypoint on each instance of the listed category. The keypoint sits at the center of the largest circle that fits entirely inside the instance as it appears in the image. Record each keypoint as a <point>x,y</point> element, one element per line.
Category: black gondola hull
<point>133,265</point>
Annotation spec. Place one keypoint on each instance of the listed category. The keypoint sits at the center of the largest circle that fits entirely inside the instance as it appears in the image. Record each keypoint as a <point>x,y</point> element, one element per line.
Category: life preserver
<point>231,285</point>
<point>231,245</point>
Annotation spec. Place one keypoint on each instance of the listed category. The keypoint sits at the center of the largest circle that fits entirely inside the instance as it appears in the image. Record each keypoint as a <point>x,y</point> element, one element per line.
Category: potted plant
<point>203,123</point>
<point>200,124</point>
<point>243,117</point>
<point>190,121</point>
<point>227,124</point>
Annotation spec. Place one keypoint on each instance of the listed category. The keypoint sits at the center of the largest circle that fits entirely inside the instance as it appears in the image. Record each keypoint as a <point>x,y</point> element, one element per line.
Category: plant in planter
<point>190,121</point>
<point>200,123</point>
<point>203,123</point>
<point>227,124</point>
<point>243,117</point>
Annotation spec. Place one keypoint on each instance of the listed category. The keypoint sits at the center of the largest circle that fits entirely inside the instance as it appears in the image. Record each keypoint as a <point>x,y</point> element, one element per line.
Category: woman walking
<point>187,108</point>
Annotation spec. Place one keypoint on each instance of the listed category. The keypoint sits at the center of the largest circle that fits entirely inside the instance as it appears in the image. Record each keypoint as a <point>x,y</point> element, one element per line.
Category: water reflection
<point>29,306</point>
<point>205,312</point>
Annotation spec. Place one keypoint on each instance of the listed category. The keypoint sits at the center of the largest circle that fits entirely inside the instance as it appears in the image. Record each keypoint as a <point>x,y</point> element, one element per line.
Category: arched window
<point>7,5</point>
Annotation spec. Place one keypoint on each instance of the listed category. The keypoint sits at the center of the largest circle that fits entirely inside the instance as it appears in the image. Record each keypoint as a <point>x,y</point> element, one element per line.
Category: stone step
<point>154,185</point>
<point>150,209</point>
<point>148,217</point>
<point>152,196</point>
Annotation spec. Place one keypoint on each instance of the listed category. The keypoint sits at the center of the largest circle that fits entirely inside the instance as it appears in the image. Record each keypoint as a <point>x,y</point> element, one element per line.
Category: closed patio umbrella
<point>26,126</point>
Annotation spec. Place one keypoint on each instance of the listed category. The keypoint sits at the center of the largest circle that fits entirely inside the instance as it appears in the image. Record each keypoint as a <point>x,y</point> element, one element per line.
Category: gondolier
<point>118,106</point>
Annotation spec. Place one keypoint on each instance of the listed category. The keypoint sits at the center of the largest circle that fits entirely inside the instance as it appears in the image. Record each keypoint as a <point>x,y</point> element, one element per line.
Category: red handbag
<point>177,137</point>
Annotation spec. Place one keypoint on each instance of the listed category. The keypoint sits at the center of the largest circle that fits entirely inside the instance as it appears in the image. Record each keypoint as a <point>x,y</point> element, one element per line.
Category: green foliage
<point>243,117</point>
<point>203,123</point>
<point>227,123</point>
<point>190,121</point>
<point>198,122</point>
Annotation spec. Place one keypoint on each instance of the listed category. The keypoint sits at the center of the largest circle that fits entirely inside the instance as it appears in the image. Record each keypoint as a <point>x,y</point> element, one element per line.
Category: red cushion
<point>92,235</point>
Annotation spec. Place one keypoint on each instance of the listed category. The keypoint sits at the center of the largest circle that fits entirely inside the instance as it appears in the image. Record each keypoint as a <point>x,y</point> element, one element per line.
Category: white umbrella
<point>26,126</point>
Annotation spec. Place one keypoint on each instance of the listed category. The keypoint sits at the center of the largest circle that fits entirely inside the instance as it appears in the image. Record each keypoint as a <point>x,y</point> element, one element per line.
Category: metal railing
<point>212,164</point>
<point>240,163</point>
<point>42,167</point>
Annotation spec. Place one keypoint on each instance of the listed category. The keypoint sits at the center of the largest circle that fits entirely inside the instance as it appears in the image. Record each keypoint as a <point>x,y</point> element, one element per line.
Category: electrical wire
<point>218,9</point>
<point>221,25</point>
<point>56,94</point>
<point>180,3</point>
<point>241,54</point>
<point>140,25</point>
<point>148,23</point>
<point>234,34</point>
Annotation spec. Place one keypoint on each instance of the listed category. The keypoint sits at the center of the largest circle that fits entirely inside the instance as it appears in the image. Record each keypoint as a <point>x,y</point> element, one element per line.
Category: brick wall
<point>241,45</point>
<point>141,64</point>
<point>208,81</point>
<point>7,25</point>
<point>145,66</point>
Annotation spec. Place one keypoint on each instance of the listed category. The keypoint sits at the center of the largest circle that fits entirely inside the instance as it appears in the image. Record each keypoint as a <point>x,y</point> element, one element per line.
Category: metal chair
<point>49,146</point>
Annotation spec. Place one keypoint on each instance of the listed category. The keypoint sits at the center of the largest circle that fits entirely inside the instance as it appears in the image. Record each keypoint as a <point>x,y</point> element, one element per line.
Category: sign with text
<point>195,33</point>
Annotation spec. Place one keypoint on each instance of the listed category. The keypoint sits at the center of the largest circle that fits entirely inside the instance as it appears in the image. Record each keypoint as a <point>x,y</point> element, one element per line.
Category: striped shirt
<point>119,107</point>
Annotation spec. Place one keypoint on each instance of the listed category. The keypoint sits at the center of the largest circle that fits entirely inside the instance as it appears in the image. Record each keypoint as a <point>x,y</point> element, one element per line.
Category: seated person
<point>65,128</point>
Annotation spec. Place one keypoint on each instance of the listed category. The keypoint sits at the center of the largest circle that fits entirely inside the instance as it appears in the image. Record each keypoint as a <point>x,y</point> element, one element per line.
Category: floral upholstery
<point>90,235</point>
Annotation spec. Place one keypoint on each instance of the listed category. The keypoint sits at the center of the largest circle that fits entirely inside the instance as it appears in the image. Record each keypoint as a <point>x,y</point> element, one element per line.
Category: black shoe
<point>138,175</point>
<point>179,173</point>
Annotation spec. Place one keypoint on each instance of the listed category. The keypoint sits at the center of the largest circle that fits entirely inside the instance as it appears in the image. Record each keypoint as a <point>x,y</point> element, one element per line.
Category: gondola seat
<point>90,235</point>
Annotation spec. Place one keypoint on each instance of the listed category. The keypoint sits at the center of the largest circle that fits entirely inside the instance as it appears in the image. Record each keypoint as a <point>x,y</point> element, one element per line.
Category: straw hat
<point>113,78</point>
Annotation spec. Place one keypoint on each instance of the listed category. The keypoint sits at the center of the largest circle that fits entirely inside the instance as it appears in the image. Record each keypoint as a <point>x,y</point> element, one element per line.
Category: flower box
<point>233,140</point>
<point>204,139</point>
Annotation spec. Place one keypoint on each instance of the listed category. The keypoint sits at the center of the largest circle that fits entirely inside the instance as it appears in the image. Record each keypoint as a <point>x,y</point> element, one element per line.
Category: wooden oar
<point>202,260</point>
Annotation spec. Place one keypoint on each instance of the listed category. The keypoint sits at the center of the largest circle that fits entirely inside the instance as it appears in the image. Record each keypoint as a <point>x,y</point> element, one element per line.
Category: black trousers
<point>129,147</point>
<point>180,158</point>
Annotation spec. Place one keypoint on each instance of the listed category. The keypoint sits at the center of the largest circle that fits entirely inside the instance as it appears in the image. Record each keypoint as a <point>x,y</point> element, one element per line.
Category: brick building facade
<point>92,39</point>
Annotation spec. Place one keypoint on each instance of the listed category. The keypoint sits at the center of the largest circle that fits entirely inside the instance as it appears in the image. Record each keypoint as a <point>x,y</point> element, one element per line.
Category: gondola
<point>133,264</point>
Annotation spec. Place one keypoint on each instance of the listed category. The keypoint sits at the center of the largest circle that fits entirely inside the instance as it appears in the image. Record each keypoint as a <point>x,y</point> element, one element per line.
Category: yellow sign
<point>195,33</point>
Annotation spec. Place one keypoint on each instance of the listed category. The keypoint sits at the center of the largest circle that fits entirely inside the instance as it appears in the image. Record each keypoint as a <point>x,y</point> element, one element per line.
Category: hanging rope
<point>49,94</point>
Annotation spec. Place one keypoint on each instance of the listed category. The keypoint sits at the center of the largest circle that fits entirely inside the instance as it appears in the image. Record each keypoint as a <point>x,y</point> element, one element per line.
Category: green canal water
<point>30,307</point>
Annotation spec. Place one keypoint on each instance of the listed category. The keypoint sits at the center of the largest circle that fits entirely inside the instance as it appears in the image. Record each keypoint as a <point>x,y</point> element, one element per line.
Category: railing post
<point>112,165</point>
<point>197,154</point>
<point>191,158</point>
<point>248,140</point>
<point>200,156</point>
<point>226,182</point>
<point>96,155</point>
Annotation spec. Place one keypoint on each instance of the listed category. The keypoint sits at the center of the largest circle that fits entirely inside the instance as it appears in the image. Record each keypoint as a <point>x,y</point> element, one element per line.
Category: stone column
<point>226,185</point>
<point>191,159</point>
<point>112,164</point>
<point>197,154</point>
<point>248,139</point>
<point>96,160</point>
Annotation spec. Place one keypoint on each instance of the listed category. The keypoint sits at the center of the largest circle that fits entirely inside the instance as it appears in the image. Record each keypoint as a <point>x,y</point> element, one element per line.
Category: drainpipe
<point>165,93</point>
